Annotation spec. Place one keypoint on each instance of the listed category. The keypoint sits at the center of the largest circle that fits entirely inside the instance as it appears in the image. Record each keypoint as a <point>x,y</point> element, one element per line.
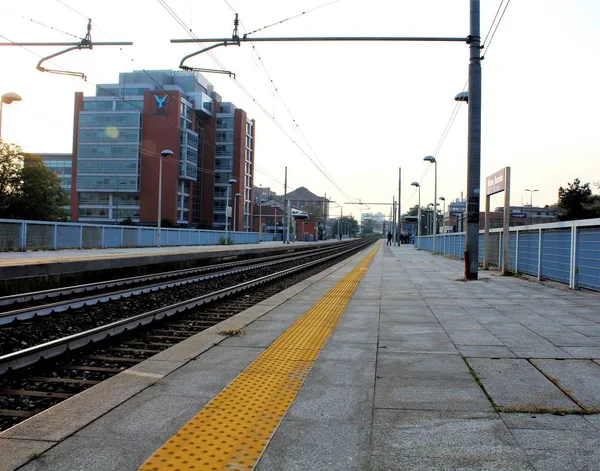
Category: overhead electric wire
<point>487,47</point>
<point>322,167</point>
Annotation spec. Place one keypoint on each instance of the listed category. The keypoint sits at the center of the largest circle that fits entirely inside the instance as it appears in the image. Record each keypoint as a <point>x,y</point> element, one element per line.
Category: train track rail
<point>33,382</point>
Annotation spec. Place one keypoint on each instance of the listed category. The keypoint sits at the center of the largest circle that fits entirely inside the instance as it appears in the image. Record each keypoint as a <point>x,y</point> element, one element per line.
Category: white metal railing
<point>567,251</point>
<point>22,235</point>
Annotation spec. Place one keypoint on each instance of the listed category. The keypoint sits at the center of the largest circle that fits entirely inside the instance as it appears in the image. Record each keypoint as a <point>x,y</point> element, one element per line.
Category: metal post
<point>400,198</point>
<point>474,146</point>
<point>486,233</point>
<point>419,222</point>
<point>158,216</point>
<point>393,221</point>
<point>435,207</point>
<point>506,222</point>
<point>284,218</point>
<point>227,214</point>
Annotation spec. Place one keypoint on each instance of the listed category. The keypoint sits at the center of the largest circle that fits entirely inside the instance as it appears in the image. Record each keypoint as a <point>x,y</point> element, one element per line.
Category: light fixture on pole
<point>165,153</point>
<point>431,159</point>
<point>531,205</point>
<point>7,98</point>
<point>418,215</point>
<point>441,198</point>
<point>229,183</point>
<point>235,203</point>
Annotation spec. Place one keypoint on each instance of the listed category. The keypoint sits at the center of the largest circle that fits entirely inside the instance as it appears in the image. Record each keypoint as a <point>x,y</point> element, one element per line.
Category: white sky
<point>366,109</point>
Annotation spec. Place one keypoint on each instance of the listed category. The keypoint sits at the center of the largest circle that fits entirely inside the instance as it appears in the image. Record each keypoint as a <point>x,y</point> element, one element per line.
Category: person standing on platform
<point>389,238</point>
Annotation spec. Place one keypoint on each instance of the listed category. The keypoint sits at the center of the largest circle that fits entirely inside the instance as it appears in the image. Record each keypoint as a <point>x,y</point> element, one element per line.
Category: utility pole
<point>285,210</point>
<point>400,198</point>
<point>474,146</point>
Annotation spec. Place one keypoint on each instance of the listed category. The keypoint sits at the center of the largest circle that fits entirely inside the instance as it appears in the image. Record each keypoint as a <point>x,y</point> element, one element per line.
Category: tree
<point>28,190</point>
<point>414,211</point>
<point>368,225</point>
<point>577,202</point>
<point>11,163</point>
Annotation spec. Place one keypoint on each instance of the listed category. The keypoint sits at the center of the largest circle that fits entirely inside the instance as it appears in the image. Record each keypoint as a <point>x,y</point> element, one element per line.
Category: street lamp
<point>165,153</point>
<point>229,183</point>
<point>235,203</point>
<point>418,215</point>
<point>260,202</point>
<point>7,98</point>
<point>431,160</point>
<point>531,205</point>
<point>441,198</point>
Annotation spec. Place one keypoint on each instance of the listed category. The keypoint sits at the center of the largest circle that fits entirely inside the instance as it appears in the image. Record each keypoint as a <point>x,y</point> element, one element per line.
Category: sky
<point>342,117</point>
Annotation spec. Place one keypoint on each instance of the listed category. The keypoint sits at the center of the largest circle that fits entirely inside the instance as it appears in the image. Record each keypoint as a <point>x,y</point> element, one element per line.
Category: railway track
<point>92,355</point>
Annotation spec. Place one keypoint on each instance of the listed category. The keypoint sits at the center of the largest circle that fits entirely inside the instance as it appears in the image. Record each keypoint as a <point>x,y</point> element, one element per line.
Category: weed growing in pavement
<point>232,332</point>
<point>34,456</point>
<point>496,407</point>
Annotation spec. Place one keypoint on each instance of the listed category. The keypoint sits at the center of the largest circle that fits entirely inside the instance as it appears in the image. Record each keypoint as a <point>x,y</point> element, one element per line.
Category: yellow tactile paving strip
<point>233,430</point>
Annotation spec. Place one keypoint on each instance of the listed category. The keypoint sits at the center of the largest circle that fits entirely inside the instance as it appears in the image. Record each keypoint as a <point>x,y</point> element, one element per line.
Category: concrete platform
<point>43,263</point>
<point>423,372</point>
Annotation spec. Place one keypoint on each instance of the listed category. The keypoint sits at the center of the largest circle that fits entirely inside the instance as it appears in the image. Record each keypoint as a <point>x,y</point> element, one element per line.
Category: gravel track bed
<point>21,335</point>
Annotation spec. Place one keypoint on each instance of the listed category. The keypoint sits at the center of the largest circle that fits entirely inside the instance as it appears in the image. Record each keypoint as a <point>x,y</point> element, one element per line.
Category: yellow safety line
<point>233,430</point>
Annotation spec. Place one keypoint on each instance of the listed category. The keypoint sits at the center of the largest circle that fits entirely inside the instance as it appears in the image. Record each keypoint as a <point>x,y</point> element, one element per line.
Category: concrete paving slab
<point>402,438</point>
<point>300,446</point>
<point>400,461</point>
<point>557,440</point>
<point>547,421</point>
<point>16,453</point>
<point>515,384</point>
<point>410,366</point>
<point>583,352</point>
<point>348,351</point>
<point>352,336</point>
<point>485,351</point>
<point>552,460</point>
<point>349,373</point>
<point>593,419</point>
<point>319,403</point>
<point>578,378</point>
<point>414,343</point>
<point>540,352</point>
<point>94,454</point>
<point>430,394</point>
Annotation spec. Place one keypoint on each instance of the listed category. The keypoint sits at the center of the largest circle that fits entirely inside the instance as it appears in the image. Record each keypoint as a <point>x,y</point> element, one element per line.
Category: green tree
<point>414,211</point>
<point>37,194</point>
<point>368,225</point>
<point>11,164</point>
<point>577,202</point>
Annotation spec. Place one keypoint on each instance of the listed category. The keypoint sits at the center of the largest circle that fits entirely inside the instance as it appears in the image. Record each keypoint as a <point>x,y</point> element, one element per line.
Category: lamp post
<point>431,160</point>
<point>229,183</point>
<point>531,205</point>
<point>235,203</point>
<point>165,153</point>
<point>7,98</point>
<point>441,198</point>
<point>418,215</point>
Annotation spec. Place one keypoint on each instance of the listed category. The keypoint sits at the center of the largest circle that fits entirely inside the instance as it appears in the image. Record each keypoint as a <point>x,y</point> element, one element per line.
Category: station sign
<point>495,183</point>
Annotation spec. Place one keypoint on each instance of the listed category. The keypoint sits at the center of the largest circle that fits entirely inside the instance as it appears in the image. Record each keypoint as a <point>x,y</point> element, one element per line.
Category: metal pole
<point>284,217</point>
<point>260,220</point>
<point>419,221</point>
<point>394,221</point>
<point>506,223</point>
<point>400,198</point>
<point>435,206</point>
<point>160,164</point>
<point>474,146</point>
<point>227,214</point>
<point>486,233</point>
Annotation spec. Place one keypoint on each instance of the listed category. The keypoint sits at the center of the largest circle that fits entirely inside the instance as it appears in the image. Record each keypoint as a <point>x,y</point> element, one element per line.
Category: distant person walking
<point>389,238</point>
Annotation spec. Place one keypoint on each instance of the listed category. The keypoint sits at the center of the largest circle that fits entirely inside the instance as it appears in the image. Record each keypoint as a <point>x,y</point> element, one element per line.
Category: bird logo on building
<point>160,101</point>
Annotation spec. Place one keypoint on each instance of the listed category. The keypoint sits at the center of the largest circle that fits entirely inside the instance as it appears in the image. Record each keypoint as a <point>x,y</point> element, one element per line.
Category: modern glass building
<point>119,137</point>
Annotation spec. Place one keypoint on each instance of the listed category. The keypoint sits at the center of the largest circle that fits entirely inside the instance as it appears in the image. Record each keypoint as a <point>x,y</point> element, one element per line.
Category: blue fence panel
<point>148,237</point>
<point>112,237</point>
<point>556,254</point>
<point>481,248</point>
<point>67,237</point>
<point>40,236</point>
<point>588,258</point>
<point>528,252</point>
<point>512,250</point>
<point>130,236</point>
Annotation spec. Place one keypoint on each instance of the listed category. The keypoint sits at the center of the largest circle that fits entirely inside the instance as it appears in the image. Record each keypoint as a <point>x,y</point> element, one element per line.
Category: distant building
<point>119,135</point>
<point>61,166</point>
